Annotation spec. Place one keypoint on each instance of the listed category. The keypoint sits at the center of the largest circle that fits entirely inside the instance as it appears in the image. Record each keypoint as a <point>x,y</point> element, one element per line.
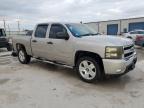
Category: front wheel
<point>88,69</point>
<point>23,57</point>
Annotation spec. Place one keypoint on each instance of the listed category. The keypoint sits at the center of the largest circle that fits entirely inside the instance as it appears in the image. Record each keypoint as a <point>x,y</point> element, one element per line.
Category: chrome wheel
<point>21,56</point>
<point>87,69</point>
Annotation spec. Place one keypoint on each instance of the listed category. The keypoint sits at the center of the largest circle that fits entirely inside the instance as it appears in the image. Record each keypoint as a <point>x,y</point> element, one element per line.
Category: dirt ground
<point>42,85</point>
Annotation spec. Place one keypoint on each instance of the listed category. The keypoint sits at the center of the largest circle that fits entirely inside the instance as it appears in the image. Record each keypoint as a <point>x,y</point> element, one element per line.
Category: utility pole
<point>4,24</point>
<point>18,26</point>
<point>8,29</point>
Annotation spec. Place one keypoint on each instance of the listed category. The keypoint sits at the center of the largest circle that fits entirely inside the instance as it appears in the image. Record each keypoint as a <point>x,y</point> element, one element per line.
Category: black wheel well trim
<point>82,53</point>
<point>19,46</point>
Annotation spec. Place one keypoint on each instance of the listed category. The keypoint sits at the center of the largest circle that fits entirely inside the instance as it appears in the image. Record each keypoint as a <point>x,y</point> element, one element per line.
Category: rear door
<point>39,42</point>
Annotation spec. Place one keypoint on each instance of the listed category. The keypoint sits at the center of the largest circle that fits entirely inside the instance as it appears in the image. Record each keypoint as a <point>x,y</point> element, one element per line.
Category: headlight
<point>113,52</point>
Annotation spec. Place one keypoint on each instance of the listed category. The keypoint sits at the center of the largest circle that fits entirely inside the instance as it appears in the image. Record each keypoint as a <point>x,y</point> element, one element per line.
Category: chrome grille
<point>128,51</point>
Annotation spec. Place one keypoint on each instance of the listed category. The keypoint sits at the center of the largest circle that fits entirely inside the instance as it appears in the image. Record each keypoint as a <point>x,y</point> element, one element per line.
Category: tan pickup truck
<point>75,45</point>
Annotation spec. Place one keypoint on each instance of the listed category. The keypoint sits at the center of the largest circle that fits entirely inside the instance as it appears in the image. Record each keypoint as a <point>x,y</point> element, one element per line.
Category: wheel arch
<point>96,56</point>
<point>20,46</point>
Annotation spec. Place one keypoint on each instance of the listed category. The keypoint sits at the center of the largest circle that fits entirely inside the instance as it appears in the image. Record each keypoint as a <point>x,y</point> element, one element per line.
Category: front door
<point>61,49</point>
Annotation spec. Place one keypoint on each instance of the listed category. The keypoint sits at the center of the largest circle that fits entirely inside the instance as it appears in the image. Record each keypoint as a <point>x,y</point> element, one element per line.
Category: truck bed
<point>25,40</point>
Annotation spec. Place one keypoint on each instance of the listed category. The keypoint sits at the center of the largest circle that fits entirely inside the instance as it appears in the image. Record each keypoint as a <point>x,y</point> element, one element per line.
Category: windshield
<point>80,30</point>
<point>140,32</point>
<point>2,33</point>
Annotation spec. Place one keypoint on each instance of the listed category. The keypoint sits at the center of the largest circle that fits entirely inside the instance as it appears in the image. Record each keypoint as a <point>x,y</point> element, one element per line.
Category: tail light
<point>139,38</point>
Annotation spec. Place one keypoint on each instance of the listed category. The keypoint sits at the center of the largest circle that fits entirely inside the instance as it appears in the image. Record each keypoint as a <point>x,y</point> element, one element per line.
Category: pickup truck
<point>4,41</point>
<point>75,45</point>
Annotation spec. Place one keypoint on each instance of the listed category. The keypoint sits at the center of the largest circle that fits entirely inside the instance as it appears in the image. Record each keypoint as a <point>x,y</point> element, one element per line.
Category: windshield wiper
<point>89,34</point>
<point>95,34</point>
<point>85,34</point>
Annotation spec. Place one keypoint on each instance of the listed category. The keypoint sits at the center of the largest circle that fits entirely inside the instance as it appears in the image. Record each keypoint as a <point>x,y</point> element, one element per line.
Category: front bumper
<point>122,66</point>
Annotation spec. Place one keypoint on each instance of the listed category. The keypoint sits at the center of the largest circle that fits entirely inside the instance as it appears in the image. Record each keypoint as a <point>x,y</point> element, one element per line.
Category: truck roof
<point>59,23</point>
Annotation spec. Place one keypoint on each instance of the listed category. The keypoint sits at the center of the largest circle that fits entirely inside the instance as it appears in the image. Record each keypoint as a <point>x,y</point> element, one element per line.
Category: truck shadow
<point>70,76</point>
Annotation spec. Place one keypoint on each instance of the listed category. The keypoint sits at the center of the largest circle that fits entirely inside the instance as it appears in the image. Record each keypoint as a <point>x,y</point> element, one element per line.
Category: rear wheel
<point>23,57</point>
<point>88,69</point>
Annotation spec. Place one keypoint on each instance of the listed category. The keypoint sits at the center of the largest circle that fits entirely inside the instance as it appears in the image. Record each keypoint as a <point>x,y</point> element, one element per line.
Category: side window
<point>56,28</point>
<point>41,31</point>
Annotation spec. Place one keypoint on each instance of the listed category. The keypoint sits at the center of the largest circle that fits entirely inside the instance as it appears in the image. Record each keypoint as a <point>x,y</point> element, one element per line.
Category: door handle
<point>50,43</point>
<point>34,41</point>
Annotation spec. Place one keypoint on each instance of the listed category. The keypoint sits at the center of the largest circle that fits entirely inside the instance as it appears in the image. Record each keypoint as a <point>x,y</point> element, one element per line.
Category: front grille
<point>128,47</point>
<point>128,52</point>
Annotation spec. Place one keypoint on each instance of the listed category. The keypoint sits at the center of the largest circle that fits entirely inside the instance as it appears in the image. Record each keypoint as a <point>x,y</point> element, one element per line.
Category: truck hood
<point>108,40</point>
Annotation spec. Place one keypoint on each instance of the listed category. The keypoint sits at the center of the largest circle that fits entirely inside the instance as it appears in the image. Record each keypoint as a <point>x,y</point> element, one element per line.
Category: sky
<point>31,12</point>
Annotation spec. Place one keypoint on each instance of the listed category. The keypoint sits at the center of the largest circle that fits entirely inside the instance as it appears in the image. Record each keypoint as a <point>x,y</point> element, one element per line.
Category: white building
<point>116,27</point>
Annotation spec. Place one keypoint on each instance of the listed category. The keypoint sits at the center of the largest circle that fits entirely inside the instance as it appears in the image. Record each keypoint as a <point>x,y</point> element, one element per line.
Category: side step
<point>53,62</point>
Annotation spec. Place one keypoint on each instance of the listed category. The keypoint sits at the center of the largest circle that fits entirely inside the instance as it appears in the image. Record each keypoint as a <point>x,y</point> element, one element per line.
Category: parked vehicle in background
<point>139,41</point>
<point>133,34</point>
<point>4,41</point>
<point>75,45</point>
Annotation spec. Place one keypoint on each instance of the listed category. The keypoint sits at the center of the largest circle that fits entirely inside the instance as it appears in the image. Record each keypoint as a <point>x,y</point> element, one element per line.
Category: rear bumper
<point>113,67</point>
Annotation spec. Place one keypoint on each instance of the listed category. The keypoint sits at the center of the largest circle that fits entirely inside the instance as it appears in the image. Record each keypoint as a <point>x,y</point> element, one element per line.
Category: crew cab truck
<point>4,41</point>
<point>75,45</point>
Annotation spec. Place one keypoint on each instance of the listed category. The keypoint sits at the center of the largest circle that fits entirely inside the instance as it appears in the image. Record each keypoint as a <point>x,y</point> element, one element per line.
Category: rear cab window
<point>41,31</point>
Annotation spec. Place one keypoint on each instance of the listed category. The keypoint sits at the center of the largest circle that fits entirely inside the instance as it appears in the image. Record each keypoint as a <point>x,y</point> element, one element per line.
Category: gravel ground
<point>41,85</point>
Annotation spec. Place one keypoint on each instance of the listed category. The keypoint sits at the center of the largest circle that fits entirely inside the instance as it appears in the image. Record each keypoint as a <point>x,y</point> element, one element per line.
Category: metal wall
<point>112,29</point>
<point>124,25</point>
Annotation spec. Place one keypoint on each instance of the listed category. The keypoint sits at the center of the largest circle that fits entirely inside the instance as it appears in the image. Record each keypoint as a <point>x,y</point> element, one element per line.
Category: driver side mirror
<point>62,35</point>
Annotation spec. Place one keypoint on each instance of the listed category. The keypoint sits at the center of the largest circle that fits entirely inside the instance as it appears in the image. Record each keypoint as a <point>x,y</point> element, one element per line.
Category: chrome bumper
<point>119,66</point>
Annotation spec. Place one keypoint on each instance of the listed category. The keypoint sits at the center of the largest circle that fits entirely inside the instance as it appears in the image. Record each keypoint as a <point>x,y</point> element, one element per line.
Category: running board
<point>53,62</point>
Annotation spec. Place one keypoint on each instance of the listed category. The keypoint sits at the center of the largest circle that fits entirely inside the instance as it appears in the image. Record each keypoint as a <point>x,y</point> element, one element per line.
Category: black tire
<point>26,58</point>
<point>14,54</point>
<point>9,48</point>
<point>98,75</point>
